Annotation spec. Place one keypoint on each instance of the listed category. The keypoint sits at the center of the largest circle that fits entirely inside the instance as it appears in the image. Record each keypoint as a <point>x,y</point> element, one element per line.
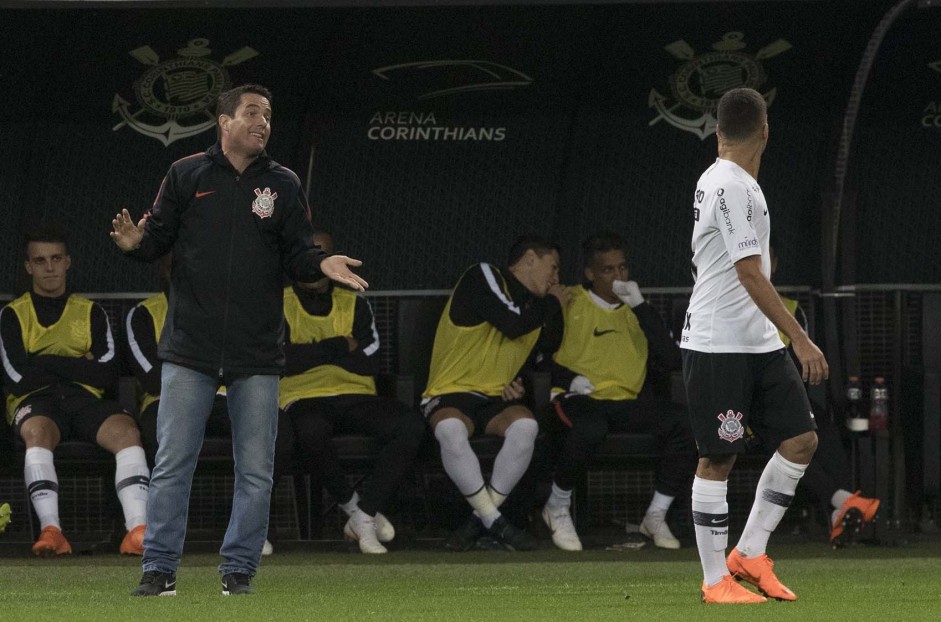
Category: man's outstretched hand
<point>337,267</point>
<point>126,234</point>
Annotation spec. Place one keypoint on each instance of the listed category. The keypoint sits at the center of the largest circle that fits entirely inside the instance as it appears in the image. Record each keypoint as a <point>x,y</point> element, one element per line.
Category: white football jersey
<point>732,223</point>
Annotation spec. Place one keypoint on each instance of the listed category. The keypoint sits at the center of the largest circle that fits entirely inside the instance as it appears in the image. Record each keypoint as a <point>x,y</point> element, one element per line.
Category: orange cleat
<point>51,542</point>
<point>851,516</point>
<point>728,592</point>
<point>133,542</point>
<point>758,571</point>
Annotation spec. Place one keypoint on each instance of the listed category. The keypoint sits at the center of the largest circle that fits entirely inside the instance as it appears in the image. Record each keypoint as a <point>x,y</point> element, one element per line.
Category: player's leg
<point>400,431</point>
<point>35,422</point>
<point>719,390</point>
<point>453,428</point>
<point>782,411</point>
<point>585,426</point>
<point>119,434</point>
<point>517,425</point>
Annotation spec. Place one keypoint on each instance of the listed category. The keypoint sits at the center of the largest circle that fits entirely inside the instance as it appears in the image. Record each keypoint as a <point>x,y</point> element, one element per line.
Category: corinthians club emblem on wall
<point>695,88</point>
<point>177,97</point>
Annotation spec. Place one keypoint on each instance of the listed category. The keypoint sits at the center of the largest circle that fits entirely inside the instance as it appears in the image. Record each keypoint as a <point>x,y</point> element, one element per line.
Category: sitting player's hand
<point>581,386</point>
<point>514,391</point>
<point>561,292</point>
<point>628,292</point>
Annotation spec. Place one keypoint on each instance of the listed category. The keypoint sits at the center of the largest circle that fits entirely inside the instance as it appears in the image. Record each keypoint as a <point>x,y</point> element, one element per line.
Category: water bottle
<point>856,420</point>
<point>879,406</point>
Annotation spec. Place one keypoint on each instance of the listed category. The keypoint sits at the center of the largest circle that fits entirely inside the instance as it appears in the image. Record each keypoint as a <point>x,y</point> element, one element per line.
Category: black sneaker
<point>487,542</point>
<point>464,538</point>
<point>236,583</point>
<point>513,538</point>
<point>156,583</point>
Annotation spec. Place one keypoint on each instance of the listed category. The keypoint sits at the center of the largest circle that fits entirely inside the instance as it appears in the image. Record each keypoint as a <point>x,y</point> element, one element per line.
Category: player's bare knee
<point>118,432</point>
<point>40,432</point>
<point>451,413</point>
<point>799,449</point>
<point>715,467</point>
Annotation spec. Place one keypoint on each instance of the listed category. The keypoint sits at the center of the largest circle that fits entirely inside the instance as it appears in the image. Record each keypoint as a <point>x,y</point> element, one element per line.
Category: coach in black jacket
<point>236,221</point>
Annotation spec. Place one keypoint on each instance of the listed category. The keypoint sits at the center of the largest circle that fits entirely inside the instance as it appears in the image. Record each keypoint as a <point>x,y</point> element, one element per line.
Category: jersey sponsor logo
<point>200,195</point>
<point>697,85</point>
<point>177,97</point>
<point>752,243</point>
<point>730,426</point>
<point>726,214</point>
<point>263,205</point>
<point>598,333</point>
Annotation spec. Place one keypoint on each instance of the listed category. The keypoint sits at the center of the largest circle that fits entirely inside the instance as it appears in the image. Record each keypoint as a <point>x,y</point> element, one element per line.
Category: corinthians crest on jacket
<point>263,205</point>
<point>177,97</point>
<point>695,88</point>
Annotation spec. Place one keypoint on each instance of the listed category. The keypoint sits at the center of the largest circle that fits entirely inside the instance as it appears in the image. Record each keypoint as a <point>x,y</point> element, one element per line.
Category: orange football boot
<point>729,592</point>
<point>758,571</point>
<point>133,543</point>
<point>854,512</point>
<point>51,542</point>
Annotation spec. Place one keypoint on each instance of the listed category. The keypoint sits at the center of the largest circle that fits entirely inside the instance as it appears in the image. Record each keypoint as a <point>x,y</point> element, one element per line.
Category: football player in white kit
<point>737,371</point>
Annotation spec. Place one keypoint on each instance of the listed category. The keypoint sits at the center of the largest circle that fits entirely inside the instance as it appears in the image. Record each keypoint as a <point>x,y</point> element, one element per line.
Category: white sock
<point>559,497</point>
<point>459,460</point>
<point>514,456</point>
<point>132,481</point>
<point>775,491</point>
<point>484,507</point>
<point>711,520</point>
<point>657,510</point>
<point>839,498</point>
<point>496,496</point>
<point>43,485</point>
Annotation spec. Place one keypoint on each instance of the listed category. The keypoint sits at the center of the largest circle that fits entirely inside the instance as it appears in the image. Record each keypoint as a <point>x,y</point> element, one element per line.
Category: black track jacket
<point>233,237</point>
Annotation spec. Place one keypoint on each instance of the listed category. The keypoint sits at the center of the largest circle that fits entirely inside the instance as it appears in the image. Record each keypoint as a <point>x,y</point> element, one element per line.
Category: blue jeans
<point>185,404</point>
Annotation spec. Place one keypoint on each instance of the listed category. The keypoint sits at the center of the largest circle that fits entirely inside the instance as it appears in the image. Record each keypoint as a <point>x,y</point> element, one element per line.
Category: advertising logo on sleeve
<point>176,97</point>
<point>697,85</point>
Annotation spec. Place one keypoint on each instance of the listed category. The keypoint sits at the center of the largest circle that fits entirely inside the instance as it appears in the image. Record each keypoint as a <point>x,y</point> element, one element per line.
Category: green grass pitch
<point>856,584</point>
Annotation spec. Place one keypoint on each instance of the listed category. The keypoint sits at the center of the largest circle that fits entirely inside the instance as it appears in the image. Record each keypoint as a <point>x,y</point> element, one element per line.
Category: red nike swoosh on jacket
<point>202,194</point>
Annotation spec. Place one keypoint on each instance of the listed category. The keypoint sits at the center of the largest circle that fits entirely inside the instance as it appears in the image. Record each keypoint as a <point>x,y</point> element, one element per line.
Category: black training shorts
<point>731,393</point>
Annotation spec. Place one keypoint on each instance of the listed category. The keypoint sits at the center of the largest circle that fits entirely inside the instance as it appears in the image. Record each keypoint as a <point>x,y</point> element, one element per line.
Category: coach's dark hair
<point>541,246</point>
<point>44,231</point>
<point>741,113</point>
<point>229,101</point>
<point>602,242</point>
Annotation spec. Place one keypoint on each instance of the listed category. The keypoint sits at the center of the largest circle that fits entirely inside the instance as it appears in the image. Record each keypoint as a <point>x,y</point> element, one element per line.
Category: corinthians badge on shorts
<point>730,426</point>
<point>263,206</point>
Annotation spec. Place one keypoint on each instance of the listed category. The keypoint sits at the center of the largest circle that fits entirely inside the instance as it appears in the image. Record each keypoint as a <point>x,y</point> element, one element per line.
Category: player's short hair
<point>539,245</point>
<point>741,113</point>
<point>602,242</point>
<point>44,231</point>
<point>228,102</point>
